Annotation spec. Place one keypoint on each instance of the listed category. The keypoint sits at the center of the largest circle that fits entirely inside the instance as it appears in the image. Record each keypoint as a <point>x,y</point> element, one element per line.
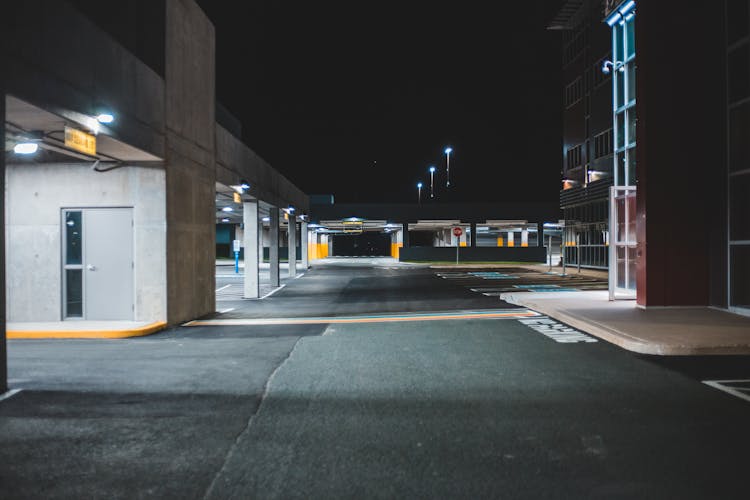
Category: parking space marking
<point>9,394</point>
<point>556,331</point>
<point>737,388</point>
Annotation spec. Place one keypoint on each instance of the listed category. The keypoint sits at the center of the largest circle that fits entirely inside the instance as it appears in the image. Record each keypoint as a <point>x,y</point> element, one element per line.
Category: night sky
<point>357,99</point>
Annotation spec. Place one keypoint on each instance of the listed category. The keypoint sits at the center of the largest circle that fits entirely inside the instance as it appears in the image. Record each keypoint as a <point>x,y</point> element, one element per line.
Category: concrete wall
<point>235,161</point>
<point>35,195</point>
<point>190,153</point>
<point>60,61</point>
<point>476,254</point>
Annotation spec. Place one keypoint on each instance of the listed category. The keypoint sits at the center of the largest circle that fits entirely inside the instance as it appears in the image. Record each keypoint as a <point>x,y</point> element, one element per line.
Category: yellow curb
<point>87,334</point>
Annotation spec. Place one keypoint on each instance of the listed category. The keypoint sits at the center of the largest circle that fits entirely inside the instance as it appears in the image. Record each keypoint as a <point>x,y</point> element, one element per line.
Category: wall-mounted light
<point>26,148</point>
<point>609,66</point>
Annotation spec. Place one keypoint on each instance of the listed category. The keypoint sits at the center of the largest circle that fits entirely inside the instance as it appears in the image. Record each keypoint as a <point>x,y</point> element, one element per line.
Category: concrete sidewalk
<point>664,332</point>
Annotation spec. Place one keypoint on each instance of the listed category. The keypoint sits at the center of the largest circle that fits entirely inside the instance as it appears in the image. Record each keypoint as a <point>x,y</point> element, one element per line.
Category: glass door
<point>622,248</point>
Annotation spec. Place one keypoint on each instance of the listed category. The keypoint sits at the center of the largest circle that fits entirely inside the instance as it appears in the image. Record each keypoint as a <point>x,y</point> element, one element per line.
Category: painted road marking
<point>738,388</point>
<point>556,331</point>
<point>378,318</point>
<point>9,394</point>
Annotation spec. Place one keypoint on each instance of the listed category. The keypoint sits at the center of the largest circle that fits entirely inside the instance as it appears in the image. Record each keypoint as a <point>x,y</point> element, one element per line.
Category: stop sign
<point>457,231</point>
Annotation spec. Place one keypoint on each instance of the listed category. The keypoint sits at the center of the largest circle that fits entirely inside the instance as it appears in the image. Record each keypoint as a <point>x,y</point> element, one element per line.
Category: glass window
<point>73,293</point>
<point>620,82</point>
<point>617,29</point>
<point>631,81</point>
<point>631,167</point>
<point>620,122</point>
<point>621,169</point>
<point>631,125</point>
<point>630,37</point>
<point>73,232</point>
<point>740,272</point>
<point>739,207</point>
<point>739,73</point>
<point>739,138</point>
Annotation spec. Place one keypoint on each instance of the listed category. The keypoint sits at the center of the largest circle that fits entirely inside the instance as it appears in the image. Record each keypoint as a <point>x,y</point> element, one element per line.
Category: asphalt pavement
<point>517,406</point>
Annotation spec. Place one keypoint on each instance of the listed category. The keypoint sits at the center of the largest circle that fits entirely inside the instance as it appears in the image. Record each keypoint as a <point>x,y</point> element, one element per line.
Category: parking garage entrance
<point>362,244</point>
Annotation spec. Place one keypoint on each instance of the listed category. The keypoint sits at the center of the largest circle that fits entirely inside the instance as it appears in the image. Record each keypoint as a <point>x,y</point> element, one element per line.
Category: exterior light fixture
<point>609,66</point>
<point>432,182</point>
<point>448,152</point>
<point>105,117</point>
<point>26,148</point>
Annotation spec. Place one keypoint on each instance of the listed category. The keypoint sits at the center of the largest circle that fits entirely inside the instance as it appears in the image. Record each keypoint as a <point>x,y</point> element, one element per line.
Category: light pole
<point>419,192</point>
<point>448,152</point>
<point>432,182</point>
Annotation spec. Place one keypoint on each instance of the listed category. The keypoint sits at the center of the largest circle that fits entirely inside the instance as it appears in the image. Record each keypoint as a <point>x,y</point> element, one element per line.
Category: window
<point>603,144</point>
<point>574,92</point>
<point>574,157</point>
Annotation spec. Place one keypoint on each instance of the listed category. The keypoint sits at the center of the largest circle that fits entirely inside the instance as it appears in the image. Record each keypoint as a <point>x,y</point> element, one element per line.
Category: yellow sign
<point>237,198</point>
<point>80,141</point>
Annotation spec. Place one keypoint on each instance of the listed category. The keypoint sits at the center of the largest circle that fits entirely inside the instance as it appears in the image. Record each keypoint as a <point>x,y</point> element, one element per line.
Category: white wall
<point>34,197</point>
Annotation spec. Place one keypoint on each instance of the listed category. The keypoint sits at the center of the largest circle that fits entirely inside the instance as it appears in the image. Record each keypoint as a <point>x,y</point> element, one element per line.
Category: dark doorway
<point>360,245</point>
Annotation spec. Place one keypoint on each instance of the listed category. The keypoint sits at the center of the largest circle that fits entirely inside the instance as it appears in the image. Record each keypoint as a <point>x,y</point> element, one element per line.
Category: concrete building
<point>114,218</point>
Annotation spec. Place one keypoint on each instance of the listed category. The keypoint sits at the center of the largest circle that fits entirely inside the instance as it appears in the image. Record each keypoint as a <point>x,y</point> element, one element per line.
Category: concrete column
<point>540,234</point>
<point>292,237</point>
<point>304,239</point>
<point>273,246</point>
<point>473,230</point>
<point>262,237</point>
<point>406,234</point>
<point>511,239</point>
<point>524,237</point>
<point>252,265</point>
<point>3,352</point>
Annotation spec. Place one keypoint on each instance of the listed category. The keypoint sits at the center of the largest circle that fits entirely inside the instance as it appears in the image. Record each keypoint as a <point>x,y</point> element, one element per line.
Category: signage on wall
<point>80,141</point>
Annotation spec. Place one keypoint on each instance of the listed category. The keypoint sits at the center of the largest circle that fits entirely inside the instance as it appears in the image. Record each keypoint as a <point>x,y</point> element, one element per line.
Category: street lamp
<point>448,152</point>
<point>419,192</point>
<point>432,182</point>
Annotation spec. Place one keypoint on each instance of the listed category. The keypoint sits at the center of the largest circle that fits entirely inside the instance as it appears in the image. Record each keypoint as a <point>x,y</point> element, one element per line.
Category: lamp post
<point>448,152</point>
<point>419,193</point>
<point>432,182</point>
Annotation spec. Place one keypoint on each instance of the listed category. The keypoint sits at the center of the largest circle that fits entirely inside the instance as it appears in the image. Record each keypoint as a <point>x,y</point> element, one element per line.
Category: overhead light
<point>26,148</point>
<point>225,219</point>
<point>448,150</point>
<point>266,219</point>
<point>244,185</point>
<point>105,117</point>
<point>290,209</point>
<point>227,209</point>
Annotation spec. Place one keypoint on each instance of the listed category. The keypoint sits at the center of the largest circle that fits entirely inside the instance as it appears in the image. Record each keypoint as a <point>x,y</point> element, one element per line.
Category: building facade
<point>678,209</point>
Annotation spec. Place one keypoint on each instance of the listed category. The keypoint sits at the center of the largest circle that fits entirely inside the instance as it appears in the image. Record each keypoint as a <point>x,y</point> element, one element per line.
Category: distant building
<point>679,197</point>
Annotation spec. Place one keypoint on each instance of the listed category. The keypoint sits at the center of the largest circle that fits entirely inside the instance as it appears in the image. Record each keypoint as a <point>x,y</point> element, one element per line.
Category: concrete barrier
<point>474,254</point>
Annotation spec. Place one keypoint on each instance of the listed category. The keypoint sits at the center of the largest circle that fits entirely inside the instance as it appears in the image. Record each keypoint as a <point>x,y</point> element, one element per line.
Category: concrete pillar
<point>273,246</point>
<point>262,237</point>
<point>473,230</point>
<point>252,265</point>
<point>406,234</point>
<point>292,238</point>
<point>524,237</point>
<point>3,352</point>
<point>304,239</point>
<point>511,239</point>
<point>540,234</point>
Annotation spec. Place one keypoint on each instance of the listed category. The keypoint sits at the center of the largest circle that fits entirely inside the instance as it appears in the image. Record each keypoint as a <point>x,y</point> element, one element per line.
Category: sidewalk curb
<point>622,339</point>
<point>86,334</point>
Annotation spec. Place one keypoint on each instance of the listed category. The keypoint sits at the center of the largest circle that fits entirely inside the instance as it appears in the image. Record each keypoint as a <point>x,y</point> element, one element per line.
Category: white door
<point>98,264</point>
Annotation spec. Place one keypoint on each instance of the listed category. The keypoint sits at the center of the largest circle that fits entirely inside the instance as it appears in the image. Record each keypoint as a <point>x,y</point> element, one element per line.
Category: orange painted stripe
<point>86,334</point>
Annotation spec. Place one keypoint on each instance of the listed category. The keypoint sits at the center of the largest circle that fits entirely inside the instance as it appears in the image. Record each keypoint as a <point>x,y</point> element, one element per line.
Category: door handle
<point>91,267</point>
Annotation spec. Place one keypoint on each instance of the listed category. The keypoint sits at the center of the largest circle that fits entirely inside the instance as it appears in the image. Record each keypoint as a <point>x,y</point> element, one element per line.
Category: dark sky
<point>358,98</point>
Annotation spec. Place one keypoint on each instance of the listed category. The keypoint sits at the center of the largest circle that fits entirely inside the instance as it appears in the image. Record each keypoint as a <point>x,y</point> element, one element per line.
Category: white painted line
<point>719,384</point>
<point>9,394</point>
<point>226,310</point>
<point>299,276</point>
<point>223,288</point>
<point>273,291</point>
